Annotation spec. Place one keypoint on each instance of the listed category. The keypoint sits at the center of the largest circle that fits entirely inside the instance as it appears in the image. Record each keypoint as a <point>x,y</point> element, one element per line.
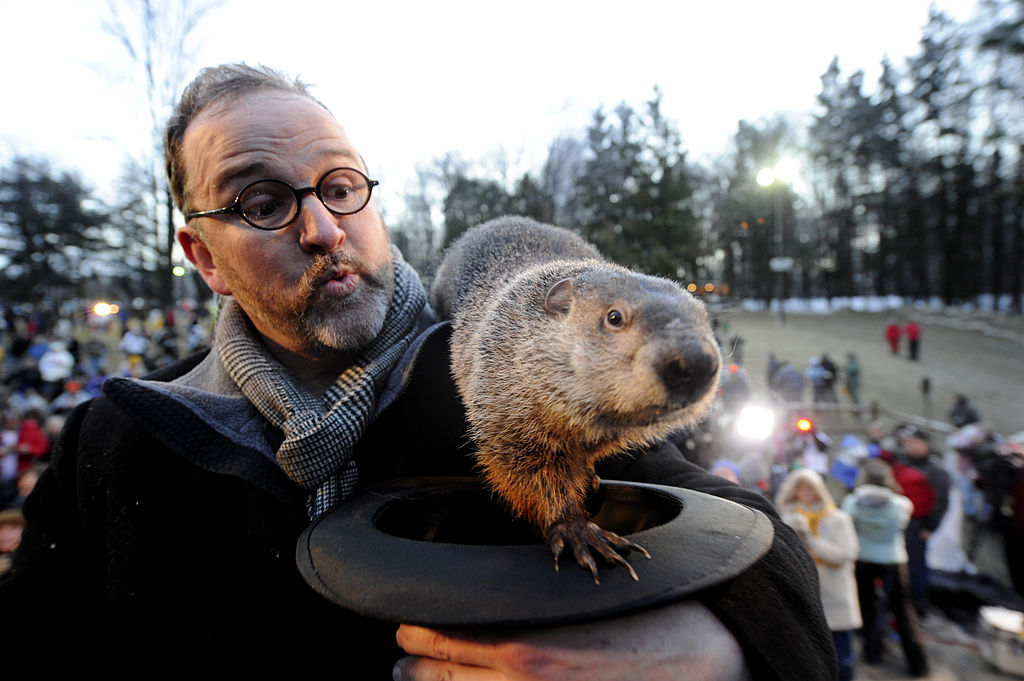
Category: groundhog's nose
<point>690,370</point>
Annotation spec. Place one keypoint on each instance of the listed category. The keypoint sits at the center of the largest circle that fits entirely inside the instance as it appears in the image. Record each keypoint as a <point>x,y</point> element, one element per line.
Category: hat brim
<point>441,552</point>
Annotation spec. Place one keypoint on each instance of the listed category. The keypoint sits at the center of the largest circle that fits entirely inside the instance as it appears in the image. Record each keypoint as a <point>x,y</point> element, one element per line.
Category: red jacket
<point>33,444</point>
<point>915,484</point>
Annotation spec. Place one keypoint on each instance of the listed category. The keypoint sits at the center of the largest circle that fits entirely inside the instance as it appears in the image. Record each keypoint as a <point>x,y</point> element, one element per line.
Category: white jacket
<point>834,549</point>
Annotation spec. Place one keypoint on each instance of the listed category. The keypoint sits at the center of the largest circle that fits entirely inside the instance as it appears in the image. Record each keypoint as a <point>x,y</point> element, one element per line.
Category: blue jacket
<point>880,517</point>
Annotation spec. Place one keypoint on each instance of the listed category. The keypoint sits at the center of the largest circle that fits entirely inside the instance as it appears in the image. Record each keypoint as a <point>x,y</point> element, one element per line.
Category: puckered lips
<point>339,282</point>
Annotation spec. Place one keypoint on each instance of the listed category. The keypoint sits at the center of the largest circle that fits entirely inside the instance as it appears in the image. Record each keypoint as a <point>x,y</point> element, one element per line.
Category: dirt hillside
<point>977,355</point>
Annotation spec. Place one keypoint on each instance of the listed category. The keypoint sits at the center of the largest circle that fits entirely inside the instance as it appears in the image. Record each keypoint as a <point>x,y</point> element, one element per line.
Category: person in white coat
<point>830,537</point>
<point>55,367</point>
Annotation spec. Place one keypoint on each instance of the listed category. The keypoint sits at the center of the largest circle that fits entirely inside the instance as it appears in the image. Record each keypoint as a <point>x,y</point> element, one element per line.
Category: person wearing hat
<point>72,396</point>
<point>726,469</point>
<point>169,521</point>
<point>916,452</point>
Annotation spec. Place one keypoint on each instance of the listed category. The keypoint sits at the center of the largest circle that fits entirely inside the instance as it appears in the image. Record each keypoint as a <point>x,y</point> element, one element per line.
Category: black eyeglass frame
<point>235,207</point>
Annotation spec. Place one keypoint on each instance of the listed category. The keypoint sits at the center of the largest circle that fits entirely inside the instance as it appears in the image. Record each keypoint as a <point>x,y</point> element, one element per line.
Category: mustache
<point>324,264</point>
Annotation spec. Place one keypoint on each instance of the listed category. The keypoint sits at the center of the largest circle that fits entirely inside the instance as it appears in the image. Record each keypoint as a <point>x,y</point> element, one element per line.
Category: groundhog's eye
<point>615,318</point>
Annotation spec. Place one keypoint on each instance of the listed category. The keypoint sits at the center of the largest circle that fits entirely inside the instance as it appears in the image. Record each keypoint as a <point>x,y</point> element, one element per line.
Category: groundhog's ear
<point>559,298</point>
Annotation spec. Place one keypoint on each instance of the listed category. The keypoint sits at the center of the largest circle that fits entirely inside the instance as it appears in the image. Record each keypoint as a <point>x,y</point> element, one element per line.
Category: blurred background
<point>784,161</point>
<point>868,154</point>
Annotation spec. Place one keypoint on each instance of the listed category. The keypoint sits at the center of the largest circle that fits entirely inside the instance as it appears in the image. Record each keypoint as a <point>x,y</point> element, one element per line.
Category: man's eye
<point>262,205</point>
<point>338,192</point>
<point>265,208</point>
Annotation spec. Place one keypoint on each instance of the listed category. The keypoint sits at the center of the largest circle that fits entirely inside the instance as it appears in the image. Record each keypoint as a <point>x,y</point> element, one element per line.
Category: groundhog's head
<point>641,347</point>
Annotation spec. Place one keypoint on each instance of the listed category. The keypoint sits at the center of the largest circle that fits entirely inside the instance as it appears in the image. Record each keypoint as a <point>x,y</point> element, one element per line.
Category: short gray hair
<point>214,84</point>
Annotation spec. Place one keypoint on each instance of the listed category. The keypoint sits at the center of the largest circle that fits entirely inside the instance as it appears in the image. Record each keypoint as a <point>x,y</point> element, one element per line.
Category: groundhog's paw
<point>582,535</point>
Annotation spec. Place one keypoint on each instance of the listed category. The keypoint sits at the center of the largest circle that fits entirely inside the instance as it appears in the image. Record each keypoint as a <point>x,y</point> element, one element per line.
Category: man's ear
<point>199,255</point>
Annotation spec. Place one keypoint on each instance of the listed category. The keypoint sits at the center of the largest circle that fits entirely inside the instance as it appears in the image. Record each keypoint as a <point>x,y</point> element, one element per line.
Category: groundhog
<point>561,359</point>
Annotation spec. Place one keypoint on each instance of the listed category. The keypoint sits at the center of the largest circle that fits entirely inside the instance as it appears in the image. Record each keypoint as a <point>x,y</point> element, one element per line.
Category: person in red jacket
<point>913,338</point>
<point>33,444</point>
<point>892,334</point>
<point>914,483</point>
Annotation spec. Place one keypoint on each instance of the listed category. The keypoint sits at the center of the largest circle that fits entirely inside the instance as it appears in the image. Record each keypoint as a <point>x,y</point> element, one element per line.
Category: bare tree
<point>156,37</point>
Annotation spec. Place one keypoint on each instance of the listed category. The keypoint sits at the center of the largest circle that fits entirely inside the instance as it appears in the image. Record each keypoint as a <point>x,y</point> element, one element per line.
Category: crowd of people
<point>876,513</point>
<point>52,362</point>
<point>168,518</point>
<point>870,535</point>
<point>169,512</point>
<point>824,377</point>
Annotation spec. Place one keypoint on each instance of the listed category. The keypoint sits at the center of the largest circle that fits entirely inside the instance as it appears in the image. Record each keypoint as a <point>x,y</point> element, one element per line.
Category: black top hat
<point>442,552</point>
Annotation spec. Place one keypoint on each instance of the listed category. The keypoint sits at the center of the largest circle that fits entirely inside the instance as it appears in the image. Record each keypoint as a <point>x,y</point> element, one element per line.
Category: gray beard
<point>351,323</point>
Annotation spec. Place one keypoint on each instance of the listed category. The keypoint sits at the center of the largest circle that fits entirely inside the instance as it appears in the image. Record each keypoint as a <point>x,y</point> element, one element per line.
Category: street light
<point>783,173</point>
<point>766,177</point>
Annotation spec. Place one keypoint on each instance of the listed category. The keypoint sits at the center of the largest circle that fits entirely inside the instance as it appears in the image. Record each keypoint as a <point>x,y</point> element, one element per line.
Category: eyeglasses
<point>274,204</point>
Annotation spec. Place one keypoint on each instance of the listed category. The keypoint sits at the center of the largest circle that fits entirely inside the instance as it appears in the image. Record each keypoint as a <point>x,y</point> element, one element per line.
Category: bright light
<point>178,271</point>
<point>787,170</point>
<point>102,309</point>
<point>755,422</point>
<point>804,425</point>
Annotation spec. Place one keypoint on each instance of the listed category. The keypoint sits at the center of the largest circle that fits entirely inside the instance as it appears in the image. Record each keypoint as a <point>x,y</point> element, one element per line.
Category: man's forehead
<point>261,100</point>
<point>270,114</point>
<point>261,132</point>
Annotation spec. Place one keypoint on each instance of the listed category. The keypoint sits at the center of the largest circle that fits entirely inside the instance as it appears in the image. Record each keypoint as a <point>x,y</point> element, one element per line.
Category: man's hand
<point>680,641</point>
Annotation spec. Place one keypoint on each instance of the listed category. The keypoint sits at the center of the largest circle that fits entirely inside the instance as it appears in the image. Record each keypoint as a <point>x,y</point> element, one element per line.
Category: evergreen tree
<point>636,192</point>
<point>50,231</point>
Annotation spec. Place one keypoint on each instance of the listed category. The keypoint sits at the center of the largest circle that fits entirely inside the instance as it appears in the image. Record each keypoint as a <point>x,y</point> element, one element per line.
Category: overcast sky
<point>411,80</point>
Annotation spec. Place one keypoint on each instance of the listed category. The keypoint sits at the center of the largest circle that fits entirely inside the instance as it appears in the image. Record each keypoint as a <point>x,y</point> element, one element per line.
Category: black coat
<point>153,532</point>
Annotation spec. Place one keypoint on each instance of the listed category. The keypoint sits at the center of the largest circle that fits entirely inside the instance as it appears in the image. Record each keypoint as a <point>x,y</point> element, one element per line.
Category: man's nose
<point>320,229</point>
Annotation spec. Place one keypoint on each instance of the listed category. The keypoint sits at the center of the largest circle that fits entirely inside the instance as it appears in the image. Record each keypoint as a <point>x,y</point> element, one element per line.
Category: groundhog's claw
<point>583,535</point>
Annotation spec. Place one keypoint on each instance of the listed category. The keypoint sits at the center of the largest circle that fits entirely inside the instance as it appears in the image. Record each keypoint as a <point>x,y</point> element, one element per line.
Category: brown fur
<point>550,380</point>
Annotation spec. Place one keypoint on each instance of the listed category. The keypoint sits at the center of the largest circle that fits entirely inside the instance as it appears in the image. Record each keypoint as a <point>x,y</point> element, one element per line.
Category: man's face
<point>915,446</point>
<point>322,283</point>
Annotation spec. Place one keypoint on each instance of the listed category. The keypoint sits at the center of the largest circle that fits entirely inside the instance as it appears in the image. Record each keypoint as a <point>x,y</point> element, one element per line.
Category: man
<point>169,518</point>
<point>831,375</point>
<point>852,374</point>
<point>963,412</point>
<point>818,377</point>
<point>788,382</point>
<point>913,339</point>
<point>917,453</point>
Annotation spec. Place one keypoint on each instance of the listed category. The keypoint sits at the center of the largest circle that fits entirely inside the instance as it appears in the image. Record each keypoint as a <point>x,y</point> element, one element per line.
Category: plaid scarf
<point>320,433</point>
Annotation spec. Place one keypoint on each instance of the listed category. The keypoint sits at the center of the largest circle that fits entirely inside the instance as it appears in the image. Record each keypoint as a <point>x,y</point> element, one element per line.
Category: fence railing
<point>871,412</point>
